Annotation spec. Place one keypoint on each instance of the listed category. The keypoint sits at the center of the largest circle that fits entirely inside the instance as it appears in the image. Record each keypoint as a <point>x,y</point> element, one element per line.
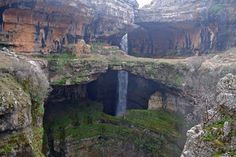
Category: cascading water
<point>124,43</point>
<point>122,82</point>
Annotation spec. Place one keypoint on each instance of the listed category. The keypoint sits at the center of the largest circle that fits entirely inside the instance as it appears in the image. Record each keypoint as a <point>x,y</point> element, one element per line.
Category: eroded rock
<point>216,136</point>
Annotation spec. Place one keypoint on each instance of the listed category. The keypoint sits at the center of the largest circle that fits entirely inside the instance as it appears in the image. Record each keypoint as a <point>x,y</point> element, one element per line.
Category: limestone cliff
<point>23,88</point>
<point>191,81</point>
<point>51,25</point>
<point>216,136</point>
<point>183,27</point>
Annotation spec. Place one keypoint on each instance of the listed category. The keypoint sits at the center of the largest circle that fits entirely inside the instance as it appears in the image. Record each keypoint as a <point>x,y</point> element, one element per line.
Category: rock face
<point>217,135</point>
<point>168,101</point>
<point>23,87</point>
<point>182,27</point>
<point>51,25</point>
<point>191,82</point>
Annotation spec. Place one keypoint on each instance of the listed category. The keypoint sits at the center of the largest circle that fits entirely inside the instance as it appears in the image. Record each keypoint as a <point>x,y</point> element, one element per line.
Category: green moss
<point>214,135</point>
<point>15,140</point>
<point>37,110</point>
<point>89,122</point>
<point>80,79</point>
<point>209,137</point>
<point>59,61</point>
<point>234,133</point>
<point>37,141</point>
<point>162,121</point>
<point>177,80</point>
<point>216,9</point>
<point>12,92</point>
<point>6,149</point>
<point>60,81</point>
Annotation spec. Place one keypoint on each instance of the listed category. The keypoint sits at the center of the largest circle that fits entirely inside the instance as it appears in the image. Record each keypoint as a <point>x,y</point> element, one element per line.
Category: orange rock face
<point>51,25</point>
<point>44,28</point>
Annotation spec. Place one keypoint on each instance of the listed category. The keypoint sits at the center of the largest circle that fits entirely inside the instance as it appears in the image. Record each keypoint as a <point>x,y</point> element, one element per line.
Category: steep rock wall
<point>23,87</point>
<point>182,27</point>
<point>44,26</point>
<point>216,135</point>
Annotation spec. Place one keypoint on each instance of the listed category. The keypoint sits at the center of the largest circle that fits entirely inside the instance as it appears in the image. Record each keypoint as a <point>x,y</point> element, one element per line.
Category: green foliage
<point>177,80</point>
<point>162,121</point>
<point>13,141</point>
<point>88,121</point>
<point>37,141</point>
<point>60,81</point>
<point>209,137</point>
<point>216,9</point>
<point>95,46</point>
<point>6,149</point>
<point>214,135</point>
<point>11,92</point>
<point>59,61</point>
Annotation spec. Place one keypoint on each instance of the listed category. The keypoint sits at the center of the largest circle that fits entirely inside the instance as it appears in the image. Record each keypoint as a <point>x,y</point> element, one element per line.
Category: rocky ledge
<point>184,28</point>
<point>23,89</point>
<point>193,79</point>
<point>217,135</point>
<point>52,25</point>
<point>190,85</point>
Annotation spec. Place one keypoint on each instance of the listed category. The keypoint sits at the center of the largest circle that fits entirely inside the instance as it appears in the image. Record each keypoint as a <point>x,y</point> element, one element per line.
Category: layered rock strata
<point>193,79</point>
<point>183,28</point>
<point>50,26</point>
<point>216,136</point>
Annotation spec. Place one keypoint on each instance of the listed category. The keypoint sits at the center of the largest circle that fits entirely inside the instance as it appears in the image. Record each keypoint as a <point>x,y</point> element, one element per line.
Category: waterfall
<point>124,43</point>
<point>122,82</point>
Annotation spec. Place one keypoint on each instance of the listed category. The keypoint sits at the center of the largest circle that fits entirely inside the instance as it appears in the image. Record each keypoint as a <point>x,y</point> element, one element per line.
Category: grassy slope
<point>151,132</point>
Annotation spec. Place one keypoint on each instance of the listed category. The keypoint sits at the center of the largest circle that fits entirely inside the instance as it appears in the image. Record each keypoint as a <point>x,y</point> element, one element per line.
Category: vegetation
<point>216,9</point>
<point>163,122</point>
<point>214,134</point>
<point>60,60</point>
<point>89,122</point>
<point>22,89</point>
<point>13,141</point>
<point>70,70</point>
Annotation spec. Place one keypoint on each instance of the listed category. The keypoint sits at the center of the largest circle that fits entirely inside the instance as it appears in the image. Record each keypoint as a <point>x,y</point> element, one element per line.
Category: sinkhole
<point>80,119</point>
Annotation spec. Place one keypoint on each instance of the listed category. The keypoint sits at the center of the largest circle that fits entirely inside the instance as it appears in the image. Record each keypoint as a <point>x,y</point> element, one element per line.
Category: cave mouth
<point>87,113</point>
<point>105,90</point>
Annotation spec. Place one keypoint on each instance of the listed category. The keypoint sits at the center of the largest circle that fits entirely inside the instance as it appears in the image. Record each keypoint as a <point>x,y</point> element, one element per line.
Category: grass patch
<point>147,131</point>
<point>59,61</point>
<point>163,122</point>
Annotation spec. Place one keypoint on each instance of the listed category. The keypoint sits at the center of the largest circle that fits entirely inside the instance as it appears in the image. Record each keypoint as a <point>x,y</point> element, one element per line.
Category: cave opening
<point>91,109</point>
<point>105,90</point>
<point>2,9</point>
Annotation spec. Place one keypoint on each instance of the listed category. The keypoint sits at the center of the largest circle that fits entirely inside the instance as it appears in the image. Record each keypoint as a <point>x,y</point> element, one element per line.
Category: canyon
<point>106,78</point>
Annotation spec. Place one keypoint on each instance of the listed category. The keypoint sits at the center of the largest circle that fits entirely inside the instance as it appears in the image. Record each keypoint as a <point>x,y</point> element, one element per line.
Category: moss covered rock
<point>23,87</point>
<point>82,129</point>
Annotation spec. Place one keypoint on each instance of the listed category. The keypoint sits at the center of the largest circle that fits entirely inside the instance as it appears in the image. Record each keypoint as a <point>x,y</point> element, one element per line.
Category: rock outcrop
<point>23,88</point>
<point>52,25</point>
<point>192,81</point>
<point>216,136</point>
<point>182,27</point>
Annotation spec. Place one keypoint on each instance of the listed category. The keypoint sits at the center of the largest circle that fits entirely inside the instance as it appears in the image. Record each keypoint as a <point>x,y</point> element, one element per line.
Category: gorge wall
<point>50,26</point>
<point>23,89</point>
<point>183,28</point>
<point>186,87</point>
<point>163,28</point>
